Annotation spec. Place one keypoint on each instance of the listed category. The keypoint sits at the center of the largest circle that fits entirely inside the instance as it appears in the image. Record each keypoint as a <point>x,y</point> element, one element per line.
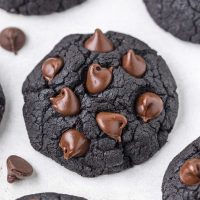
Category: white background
<point>129,16</point>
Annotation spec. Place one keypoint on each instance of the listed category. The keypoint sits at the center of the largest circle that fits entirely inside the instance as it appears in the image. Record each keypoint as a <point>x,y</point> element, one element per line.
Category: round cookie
<point>182,178</point>
<point>2,103</point>
<point>179,17</point>
<point>37,7</point>
<point>50,196</point>
<point>99,104</point>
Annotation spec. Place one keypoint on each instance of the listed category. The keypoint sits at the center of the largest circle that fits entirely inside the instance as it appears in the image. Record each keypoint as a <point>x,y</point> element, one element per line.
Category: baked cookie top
<point>100,103</point>
<point>182,178</point>
<point>181,18</point>
<point>37,7</point>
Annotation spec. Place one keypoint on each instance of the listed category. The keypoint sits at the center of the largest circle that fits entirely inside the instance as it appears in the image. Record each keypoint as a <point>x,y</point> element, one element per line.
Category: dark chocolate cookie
<point>99,104</point>
<point>37,7</point>
<point>179,17</point>
<point>2,103</point>
<point>182,178</point>
<point>50,196</point>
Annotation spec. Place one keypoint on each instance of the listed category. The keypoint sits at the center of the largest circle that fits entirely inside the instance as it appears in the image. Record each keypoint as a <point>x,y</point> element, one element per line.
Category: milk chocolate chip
<point>51,67</point>
<point>66,103</point>
<point>190,172</point>
<point>18,169</point>
<point>98,78</point>
<point>74,144</point>
<point>134,64</point>
<point>149,106</point>
<point>99,42</point>
<point>12,39</point>
<point>111,124</point>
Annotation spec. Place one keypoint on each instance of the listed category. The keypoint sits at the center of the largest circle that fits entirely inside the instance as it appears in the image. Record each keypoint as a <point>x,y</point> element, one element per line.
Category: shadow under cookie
<point>100,103</point>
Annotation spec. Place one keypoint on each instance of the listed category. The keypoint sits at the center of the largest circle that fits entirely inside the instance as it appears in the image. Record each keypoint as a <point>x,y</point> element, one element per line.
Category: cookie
<point>2,103</point>
<point>181,18</point>
<point>100,103</point>
<point>50,196</point>
<point>37,7</point>
<point>182,178</point>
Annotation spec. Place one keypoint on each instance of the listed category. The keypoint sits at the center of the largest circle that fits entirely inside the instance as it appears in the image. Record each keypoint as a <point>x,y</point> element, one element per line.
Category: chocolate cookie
<point>182,178</point>
<point>98,104</point>
<point>37,7</point>
<point>50,196</point>
<point>181,18</point>
<point>2,103</point>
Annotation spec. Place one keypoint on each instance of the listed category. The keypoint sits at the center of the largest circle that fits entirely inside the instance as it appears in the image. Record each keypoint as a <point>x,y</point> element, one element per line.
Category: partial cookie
<point>50,196</point>
<point>37,7</point>
<point>182,178</point>
<point>181,18</point>
<point>2,103</point>
<point>99,104</point>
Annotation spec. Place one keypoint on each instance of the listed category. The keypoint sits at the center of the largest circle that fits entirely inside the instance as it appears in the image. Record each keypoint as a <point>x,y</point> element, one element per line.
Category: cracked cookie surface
<point>50,196</point>
<point>139,140</point>
<point>173,188</point>
<point>179,17</point>
<point>37,7</point>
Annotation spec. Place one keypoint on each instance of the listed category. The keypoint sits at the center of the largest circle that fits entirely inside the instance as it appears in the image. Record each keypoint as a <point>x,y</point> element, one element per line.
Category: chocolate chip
<point>111,124</point>
<point>74,144</point>
<point>149,106</point>
<point>18,168</point>
<point>99,42</point>
<point>134,64</point>
<point>66,103</point>
<point>190,172</point>
<point>51,67</point>
<point>98,78</point>
<point>12,39</point>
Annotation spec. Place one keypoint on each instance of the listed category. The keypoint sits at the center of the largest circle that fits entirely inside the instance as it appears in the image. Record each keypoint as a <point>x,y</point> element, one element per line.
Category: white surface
<point>129,16</point>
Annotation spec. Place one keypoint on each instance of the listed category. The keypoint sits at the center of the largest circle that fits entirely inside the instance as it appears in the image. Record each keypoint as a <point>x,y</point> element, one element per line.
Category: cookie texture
<point>139,140</point>
<point>173,188</point>
<point>50,196</point>
<point>179,17</point>
<point>2,103</point>
<point>37,7</point>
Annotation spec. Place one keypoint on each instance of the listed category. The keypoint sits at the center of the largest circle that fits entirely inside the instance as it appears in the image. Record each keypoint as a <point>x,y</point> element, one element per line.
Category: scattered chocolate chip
<point>66,103</point>
<point>149,106</point>
<point>98,78</point>
<point>134,64</point>
<point>18,169</point>
<point>190,172</point>
<point>111,124</point>
<point>51,67</point>
<point>99,42</point>
<point>12,39</point>
<point>74,144</point>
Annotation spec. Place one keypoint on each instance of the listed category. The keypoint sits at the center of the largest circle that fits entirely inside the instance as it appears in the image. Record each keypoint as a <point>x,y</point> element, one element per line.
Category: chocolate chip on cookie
<point>182,177</point>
